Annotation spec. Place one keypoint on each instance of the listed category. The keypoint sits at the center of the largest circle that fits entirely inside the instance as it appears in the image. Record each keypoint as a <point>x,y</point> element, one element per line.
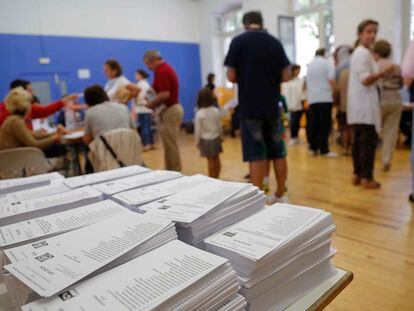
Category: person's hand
<point>57,137</point>
<point>151,105</point>
<point>68,100</point>
<point>41,132</point>
<point>61,129</point>
<point>389,69</point>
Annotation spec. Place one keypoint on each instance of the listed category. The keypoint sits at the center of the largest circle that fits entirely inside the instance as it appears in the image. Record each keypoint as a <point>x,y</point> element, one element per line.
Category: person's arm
<point>408,65</point>
<point>286,74</point>
<point>87,136</point>
<point>363,67</point>
<point>26,138</point>
<point>43,111</point>
<point>159,99</point>
<point>134,90</point>
<point>163,86</point>
<point>231,74</point>
<point>197,128</point>
<point>232,61</point>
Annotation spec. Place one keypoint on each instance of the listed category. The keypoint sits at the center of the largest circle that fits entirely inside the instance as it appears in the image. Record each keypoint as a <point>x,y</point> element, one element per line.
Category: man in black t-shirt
<point>258,63</point>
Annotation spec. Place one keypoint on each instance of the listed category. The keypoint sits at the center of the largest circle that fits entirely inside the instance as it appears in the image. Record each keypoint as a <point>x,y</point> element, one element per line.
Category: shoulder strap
<point>111,151</point>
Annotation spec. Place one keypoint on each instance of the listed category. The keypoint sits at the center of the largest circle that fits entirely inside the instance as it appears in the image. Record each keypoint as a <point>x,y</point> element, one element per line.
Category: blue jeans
<point>144,120</point>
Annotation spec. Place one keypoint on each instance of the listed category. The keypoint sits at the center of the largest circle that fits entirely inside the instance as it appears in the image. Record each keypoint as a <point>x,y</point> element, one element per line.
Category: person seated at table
<point>14,132</point>
<point>103,115</point>
<point>38,110</point>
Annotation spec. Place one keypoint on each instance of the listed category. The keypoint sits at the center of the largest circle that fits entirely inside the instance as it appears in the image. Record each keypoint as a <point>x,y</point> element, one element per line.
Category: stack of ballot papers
<point>175,276</point>
<point>280,253</point>
<point>16,184</point>
<point>91,179</point>
<point>26,209</point>
<point>55,186</point>
<point>136,197</point>
<point>28,231</point>
<point>207,208</point>
<point>153,177</point>
<point>48,266</point>
<point>31,208</point>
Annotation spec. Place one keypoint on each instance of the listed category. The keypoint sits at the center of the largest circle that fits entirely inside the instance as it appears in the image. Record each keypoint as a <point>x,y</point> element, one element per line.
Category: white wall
<point>270,9</point>
<point>158,20</point>
<point>392,16</point>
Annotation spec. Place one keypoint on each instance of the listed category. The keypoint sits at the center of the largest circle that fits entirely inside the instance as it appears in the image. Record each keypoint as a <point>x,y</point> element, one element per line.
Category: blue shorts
<point>262,139</point>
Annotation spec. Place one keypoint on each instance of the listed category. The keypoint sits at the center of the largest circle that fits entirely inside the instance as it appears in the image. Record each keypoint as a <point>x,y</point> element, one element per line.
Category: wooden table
<point>75,145</point>
<point>322,295</point>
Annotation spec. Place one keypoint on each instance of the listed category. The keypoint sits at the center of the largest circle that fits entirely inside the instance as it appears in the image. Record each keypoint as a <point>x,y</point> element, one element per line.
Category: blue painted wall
<point>19,58</point>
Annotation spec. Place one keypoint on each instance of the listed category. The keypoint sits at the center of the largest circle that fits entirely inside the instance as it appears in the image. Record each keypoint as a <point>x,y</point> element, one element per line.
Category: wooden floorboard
<point>375,235</point>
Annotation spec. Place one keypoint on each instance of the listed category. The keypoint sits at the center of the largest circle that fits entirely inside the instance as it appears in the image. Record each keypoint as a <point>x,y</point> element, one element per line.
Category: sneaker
<point>370,184</point>
<point>356,180</point>
<point>293,141</point>
<point>386,167</point>
<point>330,155</point>
<point>272,199</point>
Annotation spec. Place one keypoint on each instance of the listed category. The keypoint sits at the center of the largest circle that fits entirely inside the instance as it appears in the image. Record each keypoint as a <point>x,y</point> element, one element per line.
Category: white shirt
<point>292,90</point>
<point>112,86</point>
<point>363,101</point>
<point>320,72</point>
<point>141,101</point>
<point>207,124</point>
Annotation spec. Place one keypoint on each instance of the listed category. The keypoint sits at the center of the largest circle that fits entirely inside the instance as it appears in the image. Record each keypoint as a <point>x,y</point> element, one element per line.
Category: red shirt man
<point>166,80</point>
<point>166,86</point>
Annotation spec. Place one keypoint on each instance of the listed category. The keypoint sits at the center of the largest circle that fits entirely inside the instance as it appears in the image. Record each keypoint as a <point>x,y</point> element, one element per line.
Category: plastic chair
<point>22,162</point>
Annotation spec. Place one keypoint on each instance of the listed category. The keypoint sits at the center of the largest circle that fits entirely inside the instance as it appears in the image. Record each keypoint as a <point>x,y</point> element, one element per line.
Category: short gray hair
<point>152,54</point>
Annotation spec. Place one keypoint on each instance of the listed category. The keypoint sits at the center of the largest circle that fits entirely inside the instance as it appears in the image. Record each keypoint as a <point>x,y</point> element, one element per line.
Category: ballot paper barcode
<point>67,295</point>
<point>39,244</point>
<point>44,257</point>
<point>229,234</point>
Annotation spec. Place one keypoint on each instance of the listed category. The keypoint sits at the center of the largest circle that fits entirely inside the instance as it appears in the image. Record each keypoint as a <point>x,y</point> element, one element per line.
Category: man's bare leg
<point>280,167</point>
<point>257,172</point>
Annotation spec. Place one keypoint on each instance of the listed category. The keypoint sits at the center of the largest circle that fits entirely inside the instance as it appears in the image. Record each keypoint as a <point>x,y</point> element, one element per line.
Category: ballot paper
<point>151,193</point>
<point>56,186</point>
<point>258,235</point>
<point>174,276</point>
<point>39,228</point>
<point>16,184</point>
<point>187,206</point>
<point>48,266</point>
<point>74,135</point>
<point>26,209</point>
<point>115,186</point>
<point>91,179</point>
<point>235,303</point>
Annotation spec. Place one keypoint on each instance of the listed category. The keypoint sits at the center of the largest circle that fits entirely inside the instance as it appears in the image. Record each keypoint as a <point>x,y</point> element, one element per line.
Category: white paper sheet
<point>90,179</point>
<point>258,235</point>
<point>51,265</point>
<point>74,135</point>
<point>16,184</point>
<point>154,192</point>
<point>8,212</point>
<point>38,228</point>
<point>116,186</point>
<point>56,186</point>
<point>187,206</point>
<point>141,284</point>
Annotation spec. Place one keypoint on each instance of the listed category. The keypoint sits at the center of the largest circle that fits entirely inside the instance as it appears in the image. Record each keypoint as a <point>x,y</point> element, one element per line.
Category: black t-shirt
<point>258,59</point>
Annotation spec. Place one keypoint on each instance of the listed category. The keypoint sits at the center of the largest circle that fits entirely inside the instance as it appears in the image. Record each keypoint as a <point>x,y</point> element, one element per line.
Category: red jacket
<point>38,112</point>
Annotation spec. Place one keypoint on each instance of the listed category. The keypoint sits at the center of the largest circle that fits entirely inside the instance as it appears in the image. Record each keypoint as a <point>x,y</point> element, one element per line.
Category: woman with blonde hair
<point>14,133</point>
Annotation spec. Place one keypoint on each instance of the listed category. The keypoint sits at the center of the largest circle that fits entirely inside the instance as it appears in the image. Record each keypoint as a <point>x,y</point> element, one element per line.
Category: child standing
<point>208,131</point>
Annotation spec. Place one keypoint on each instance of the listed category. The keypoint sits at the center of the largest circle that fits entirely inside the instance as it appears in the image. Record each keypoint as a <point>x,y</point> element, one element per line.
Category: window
<point>412,21</point>
<point>228,24</point>
<point>313,29</point>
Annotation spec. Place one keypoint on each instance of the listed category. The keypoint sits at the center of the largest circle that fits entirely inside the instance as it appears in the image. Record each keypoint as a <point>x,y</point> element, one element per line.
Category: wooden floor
<point>375,228</point>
